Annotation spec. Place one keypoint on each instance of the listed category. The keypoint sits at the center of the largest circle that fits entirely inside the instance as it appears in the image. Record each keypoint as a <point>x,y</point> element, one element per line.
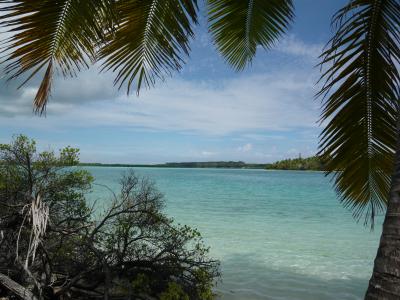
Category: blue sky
<point>206,112</point>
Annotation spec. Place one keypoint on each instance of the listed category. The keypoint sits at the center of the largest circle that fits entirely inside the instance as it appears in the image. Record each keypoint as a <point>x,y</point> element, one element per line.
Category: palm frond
<point>150,40</point>
<point>239,27</point>
<point>361,103</point>
<point>52,35</point>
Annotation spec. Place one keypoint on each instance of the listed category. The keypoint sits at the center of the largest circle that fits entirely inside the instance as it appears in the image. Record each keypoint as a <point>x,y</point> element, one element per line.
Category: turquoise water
<point>279,234</point>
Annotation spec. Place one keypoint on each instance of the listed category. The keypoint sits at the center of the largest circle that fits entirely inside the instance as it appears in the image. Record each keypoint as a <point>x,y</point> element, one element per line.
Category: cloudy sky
<point>206,112</point>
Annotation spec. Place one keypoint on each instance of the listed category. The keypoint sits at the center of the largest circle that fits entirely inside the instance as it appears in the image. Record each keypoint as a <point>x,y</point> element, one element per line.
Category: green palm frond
<point>239,27</point>
<point>51,35</point>
<point>361,103</point>
<point>150,40</point>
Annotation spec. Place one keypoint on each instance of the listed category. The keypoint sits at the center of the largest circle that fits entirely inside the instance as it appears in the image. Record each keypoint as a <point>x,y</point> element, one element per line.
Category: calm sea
<point>279,234</point>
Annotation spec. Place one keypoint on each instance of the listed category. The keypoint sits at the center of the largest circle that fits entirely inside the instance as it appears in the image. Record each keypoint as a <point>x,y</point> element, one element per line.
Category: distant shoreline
<point>203,168</point>
<point>297,164</point>
<point>185,165</point>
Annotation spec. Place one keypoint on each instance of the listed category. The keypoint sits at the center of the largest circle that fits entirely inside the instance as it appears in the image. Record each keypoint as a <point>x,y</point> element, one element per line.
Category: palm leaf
<point>361,103</point>
<point>150,40</point>
<point>239,27</point>
<point>52,35</point>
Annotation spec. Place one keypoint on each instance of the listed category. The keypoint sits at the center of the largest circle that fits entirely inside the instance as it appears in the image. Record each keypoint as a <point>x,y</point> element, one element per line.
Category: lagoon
<point>279,234</point>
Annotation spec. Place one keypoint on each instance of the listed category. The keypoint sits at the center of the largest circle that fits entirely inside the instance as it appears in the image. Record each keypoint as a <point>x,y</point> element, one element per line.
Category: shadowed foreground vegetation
<point>53,245</point>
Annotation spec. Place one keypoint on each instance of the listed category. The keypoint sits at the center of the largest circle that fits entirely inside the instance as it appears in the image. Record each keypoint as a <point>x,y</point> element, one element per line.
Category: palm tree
<point>143,40</point>
<point>361,107</point>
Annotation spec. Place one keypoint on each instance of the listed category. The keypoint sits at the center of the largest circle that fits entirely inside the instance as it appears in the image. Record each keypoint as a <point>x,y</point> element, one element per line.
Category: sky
<point>206,112</point>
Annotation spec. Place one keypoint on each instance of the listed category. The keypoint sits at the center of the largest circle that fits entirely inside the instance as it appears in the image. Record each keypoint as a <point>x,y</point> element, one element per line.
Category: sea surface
<point>278,234</point>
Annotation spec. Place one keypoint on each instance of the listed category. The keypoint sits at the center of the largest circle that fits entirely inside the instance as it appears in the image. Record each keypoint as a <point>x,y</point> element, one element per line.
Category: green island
<point>313,163</point>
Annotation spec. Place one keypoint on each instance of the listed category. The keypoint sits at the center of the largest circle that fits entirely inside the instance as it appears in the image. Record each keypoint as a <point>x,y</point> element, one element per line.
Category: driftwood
<point>16,288</point>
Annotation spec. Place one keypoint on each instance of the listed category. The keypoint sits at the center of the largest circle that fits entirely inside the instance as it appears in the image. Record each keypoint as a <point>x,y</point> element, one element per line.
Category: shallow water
<point>279,234</point>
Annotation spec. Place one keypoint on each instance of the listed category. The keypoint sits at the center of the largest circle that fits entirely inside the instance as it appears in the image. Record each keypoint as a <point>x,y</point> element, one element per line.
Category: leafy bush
<point>53,246</point>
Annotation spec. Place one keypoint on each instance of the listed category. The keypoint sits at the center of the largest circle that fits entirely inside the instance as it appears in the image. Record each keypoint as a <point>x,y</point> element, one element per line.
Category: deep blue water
<point>279,234</point>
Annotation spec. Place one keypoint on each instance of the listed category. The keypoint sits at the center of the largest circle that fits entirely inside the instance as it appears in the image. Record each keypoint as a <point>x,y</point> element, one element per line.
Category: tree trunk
<point>385,280</point>
<point>16,288</point>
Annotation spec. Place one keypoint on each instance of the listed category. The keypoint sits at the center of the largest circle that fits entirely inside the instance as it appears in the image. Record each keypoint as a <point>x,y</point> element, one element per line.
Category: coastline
<point>200,165</point>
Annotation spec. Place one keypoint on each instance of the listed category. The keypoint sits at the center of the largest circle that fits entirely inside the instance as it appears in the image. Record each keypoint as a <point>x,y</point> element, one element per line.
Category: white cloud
<point>262,137</point>
<point>275,100</point>
<point>279,101</point>
<point>294,46</point>
<point>245,148</point>
<point>208,153</point>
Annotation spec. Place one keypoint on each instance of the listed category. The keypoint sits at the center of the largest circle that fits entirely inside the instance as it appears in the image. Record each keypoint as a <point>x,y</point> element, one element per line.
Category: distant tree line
<point>310,163</point>
<point>314,163</point>
<point>206,164</point>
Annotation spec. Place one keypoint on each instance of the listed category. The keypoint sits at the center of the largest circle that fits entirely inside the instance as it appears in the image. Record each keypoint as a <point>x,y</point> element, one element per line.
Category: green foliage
<point>174,292</point>
<point>69,156</point>
<point>361,102</point>
<point>141,283</point>
<point>150,39</point>
<point>205,286</point>
<point>239,27</point>
<point>313,163</point>
<point>24,170</point>
<point>51,35</point>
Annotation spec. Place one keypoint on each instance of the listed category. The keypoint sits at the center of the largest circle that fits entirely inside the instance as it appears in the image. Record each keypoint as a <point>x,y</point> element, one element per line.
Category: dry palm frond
<point>361,103</point>
<point>150,40</point>
<point>52,35</point>
<point>43,92</point>
<point>238,27</point>
<point>37,214</point>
